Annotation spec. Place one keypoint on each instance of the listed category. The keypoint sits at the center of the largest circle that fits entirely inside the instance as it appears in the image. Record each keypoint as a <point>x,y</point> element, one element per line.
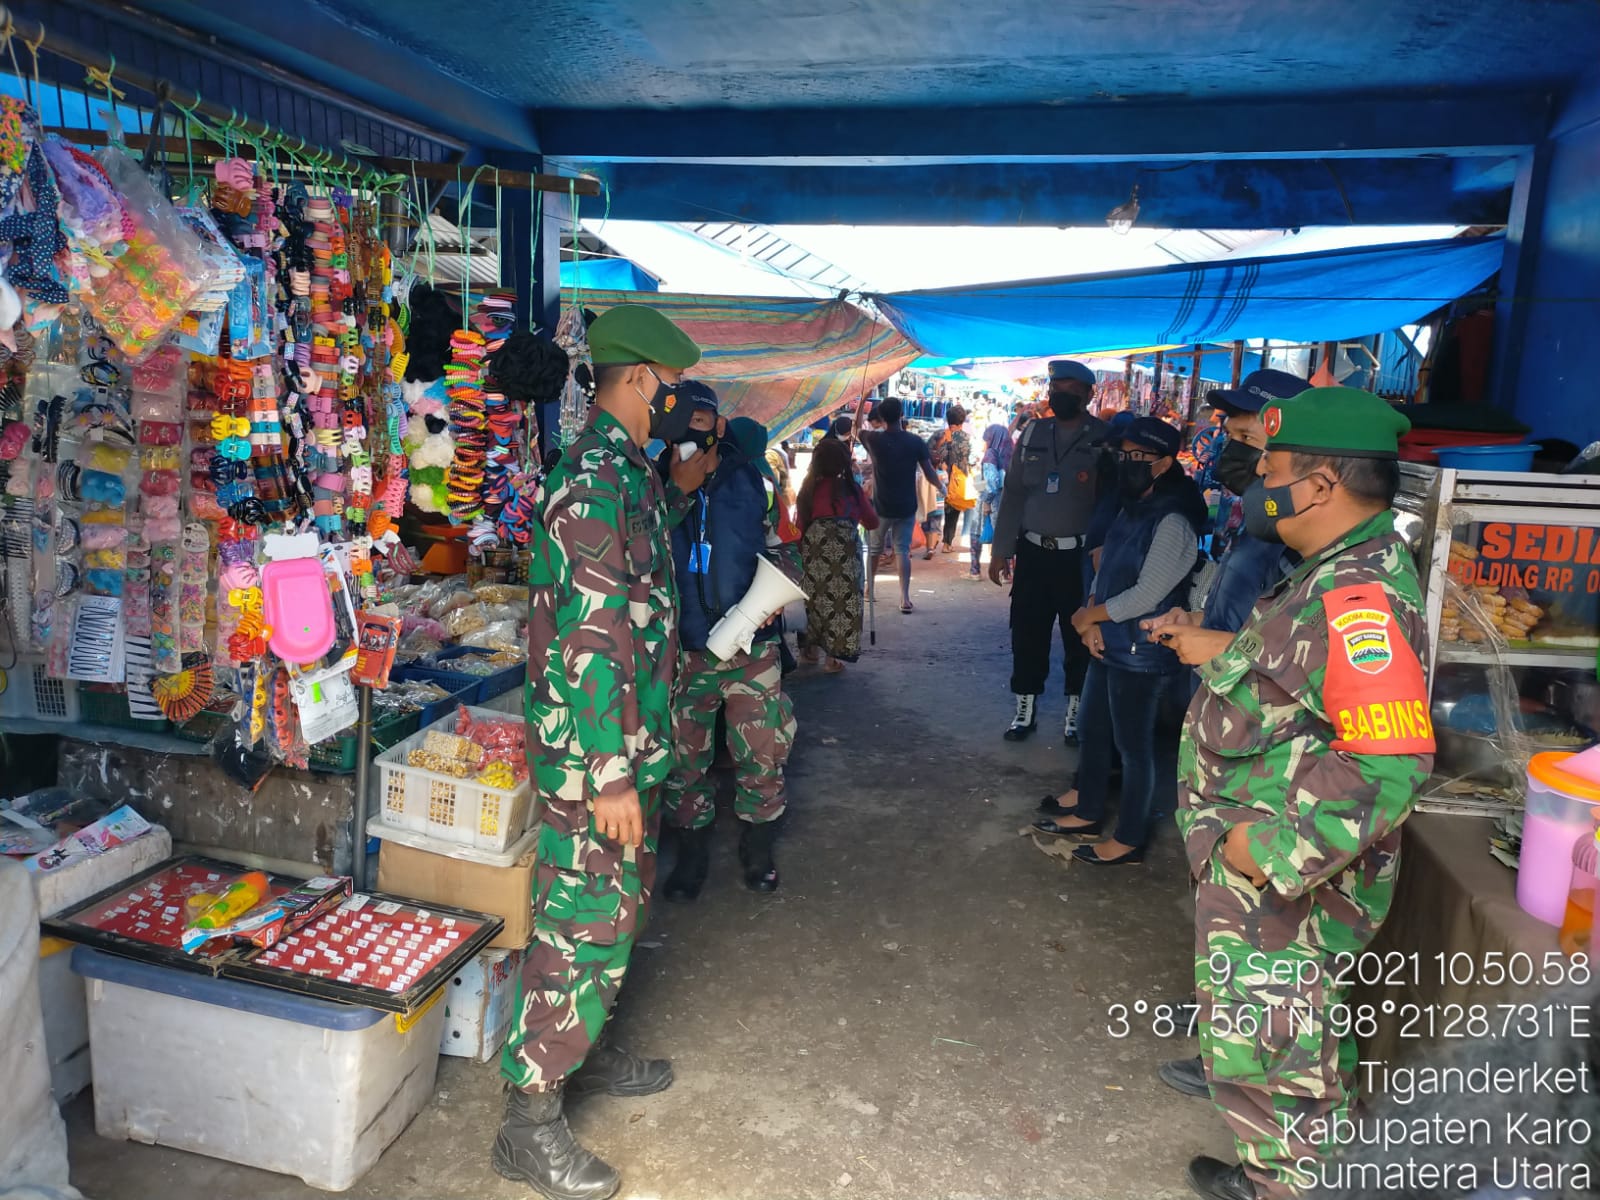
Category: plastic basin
<point>1488,458</point>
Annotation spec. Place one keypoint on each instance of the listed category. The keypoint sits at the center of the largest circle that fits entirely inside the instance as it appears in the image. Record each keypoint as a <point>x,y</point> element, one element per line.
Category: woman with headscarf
<point>830,506</point>
<point>996,461</point>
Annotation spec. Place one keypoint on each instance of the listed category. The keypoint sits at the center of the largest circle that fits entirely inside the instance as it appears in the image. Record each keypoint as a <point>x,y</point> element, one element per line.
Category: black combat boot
<point>1216,1180</point>
<point>694,860</point>
<point>612,1070</point>
<point>535,1147</point>
<point>755,855</point>
<point>1186,1075</point>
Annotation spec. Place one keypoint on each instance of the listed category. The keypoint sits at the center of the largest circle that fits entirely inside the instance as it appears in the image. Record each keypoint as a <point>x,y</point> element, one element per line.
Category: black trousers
<point>1045,591</point>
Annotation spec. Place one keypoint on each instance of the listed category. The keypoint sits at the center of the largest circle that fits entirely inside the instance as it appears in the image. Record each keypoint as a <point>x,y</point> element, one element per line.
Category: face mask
<point>1265,506</point>
<point>1235,468</point>
<point>1134,478</point>
<point>1065,404</point>
<point>695,441</point>
<point>669,413</point>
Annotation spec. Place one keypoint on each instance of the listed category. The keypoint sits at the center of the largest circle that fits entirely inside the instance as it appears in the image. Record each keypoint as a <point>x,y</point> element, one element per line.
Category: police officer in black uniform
<point>1045,509</point>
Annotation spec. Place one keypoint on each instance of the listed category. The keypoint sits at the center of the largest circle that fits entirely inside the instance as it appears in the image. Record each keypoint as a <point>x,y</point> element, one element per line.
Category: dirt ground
<point>920,1011</point>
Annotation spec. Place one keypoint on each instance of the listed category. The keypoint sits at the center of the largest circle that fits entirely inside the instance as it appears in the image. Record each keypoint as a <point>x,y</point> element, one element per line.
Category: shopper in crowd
<point>993,467</point>
<point>930,514</point>
<point>831,509</point>
<point>1134,692</point>
<point>602,657</point>
<point>781,464</point>
<point>714,551</point>
<point>751,438</point>
<point>1045,506</point>
<point>951,453</point>
<point>1296,779</point>
<point>898,457</point>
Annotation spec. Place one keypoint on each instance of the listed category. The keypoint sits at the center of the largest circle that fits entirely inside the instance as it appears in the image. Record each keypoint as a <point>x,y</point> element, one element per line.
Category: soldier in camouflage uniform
<point>603,654</point>
<point>1301,757</point>
<point>729,526</point>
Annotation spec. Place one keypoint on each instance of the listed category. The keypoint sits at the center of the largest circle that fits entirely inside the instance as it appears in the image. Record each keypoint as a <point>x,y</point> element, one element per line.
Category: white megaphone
<point>769,591</point>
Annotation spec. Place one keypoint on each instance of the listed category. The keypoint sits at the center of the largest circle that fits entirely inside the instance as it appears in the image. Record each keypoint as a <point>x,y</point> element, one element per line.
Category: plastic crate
<point>341,753</point>
<point>490,686</point>
<point>466,693</point>
<point>461,811</point>
<point>111,709</point>
<point>27,692</point>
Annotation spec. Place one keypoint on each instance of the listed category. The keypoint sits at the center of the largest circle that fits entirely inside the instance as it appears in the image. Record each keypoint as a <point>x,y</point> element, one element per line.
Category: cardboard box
<point>505,892</point>
<point>478,1003</point>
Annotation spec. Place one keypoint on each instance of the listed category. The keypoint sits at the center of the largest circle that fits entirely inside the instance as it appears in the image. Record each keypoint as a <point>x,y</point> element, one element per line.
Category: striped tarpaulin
<point>783,362</point>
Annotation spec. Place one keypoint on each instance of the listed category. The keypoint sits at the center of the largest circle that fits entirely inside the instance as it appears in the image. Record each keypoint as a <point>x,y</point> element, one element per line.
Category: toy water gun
<point>238,897</point>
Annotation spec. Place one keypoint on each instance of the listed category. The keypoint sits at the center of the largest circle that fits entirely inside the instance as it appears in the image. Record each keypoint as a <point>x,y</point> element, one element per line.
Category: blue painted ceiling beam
<point>1476,124</point>
<point>1206,195</point>
<point>306,38</point>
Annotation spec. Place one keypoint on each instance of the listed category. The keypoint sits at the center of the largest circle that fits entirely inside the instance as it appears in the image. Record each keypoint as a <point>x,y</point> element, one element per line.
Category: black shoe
<point>1185,1014</point>
<point>755,855</point>
<point>1130,859</point>
<point>1069,727</point>
<point>694,861</point>
<point>1026,720</point>
<point>536,1147</point>
<point>1051,807</point>
<point>1186,1075</point>
<point>1048,827</point>
<point>1216,1180</point>
<point>612,1070</point>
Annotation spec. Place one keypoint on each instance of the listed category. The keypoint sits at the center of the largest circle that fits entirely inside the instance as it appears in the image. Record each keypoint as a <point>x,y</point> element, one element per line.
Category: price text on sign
<point>1551,558</point>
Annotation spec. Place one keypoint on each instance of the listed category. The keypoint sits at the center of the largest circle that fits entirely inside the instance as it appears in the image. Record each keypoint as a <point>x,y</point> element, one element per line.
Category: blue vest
<point>729,514</point>
<point>1126,545</point>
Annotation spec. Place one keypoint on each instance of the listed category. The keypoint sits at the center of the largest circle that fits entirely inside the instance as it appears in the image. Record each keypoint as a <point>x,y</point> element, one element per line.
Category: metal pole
<point>358,848</point>
<point>1238,364</point>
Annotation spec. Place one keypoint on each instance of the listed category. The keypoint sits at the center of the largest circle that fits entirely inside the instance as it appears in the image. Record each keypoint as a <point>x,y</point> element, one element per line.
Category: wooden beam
<point>173,146</point>
<point>1237,367</point>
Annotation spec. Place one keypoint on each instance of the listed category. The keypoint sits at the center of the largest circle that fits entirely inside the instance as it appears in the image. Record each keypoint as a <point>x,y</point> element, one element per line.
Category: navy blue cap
<point>698,394</point>
<point>1153,435</point>
<point>1255,390</point>
<point>1071,369</point>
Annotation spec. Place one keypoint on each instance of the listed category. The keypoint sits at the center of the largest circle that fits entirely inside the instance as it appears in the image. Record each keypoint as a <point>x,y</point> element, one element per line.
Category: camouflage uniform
<point>761,729</point>
<point>602,636</point>
<point>1313,726</point>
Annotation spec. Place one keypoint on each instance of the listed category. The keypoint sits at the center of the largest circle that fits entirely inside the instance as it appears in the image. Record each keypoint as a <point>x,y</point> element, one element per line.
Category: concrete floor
<point>919,1012</point>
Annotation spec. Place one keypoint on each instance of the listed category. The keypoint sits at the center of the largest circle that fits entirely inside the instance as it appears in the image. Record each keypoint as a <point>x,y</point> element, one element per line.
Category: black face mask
<point>1064,404</point>
<point>1265,506</point>
<point>670,413</point>
<point>695,441</point>
<point>1134,478</point>
<point>1235,468</point>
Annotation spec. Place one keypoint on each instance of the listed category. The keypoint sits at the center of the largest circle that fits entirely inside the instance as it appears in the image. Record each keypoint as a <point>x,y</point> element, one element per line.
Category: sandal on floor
<point>833,668</point>
<point>1051,807</point>
<point>908,607</point>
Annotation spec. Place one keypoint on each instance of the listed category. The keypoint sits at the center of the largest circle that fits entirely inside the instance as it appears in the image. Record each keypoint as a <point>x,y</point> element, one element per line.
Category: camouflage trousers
<point>749,688</point>
<point>584,929</point>
<point>1277,1066</point>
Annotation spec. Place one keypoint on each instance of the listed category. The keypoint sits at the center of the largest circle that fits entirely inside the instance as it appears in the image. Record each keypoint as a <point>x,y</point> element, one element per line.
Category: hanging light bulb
<point>1122,217</point>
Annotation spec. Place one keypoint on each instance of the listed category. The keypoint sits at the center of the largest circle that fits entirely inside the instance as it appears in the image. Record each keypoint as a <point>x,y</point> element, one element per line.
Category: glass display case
<point>1510,564</point>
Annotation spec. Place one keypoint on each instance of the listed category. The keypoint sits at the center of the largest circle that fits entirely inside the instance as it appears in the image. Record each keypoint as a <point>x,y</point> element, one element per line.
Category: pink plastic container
<point>1561,808</point>
<point>298,608</point>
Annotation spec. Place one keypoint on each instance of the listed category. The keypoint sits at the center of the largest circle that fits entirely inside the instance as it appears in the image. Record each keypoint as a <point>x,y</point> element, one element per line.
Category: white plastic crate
<point>461,811</point>
<point>28,693</point>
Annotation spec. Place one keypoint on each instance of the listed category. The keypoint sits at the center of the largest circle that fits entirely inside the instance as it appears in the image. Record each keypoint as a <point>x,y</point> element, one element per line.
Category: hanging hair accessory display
<point>183,694</point>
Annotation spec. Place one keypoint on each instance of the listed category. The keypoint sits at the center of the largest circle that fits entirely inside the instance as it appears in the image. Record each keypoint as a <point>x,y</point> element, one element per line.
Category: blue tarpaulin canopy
<point>1305,297</point>
<point>606,274</point>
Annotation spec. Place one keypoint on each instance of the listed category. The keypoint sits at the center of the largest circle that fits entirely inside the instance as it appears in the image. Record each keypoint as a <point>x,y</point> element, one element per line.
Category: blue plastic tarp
<point>606,274</point>
<point>1297,298</point>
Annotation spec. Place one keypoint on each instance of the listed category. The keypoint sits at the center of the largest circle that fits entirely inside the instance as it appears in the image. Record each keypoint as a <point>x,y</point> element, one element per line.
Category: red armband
<point>1374,692</point>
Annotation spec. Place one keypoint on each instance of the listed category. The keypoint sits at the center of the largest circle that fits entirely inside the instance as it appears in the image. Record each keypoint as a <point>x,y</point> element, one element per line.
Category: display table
<point>1453,900</point>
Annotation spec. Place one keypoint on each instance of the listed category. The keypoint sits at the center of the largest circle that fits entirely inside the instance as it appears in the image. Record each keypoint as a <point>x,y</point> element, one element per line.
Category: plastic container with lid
<point>1577,925</point>
<point>1562,807</point>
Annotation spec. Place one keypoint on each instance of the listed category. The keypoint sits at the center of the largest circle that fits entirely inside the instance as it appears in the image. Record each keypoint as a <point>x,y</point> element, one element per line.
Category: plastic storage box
<point>488,686</point>
<point>252,1075</point>
<point>66,1019</point>
<point>27,692</point>
<point>441,806</point>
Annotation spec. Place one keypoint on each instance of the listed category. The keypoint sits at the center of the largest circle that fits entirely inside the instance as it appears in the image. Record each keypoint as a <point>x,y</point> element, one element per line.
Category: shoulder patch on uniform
<point>1374,692</point>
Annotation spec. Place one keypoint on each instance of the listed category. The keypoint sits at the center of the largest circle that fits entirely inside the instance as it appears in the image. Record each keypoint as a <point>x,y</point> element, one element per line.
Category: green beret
<point>1341,421</point>
<point>637,333</point>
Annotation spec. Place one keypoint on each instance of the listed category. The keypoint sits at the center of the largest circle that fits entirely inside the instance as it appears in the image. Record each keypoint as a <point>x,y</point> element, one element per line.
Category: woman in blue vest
<point>1136,690</point>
